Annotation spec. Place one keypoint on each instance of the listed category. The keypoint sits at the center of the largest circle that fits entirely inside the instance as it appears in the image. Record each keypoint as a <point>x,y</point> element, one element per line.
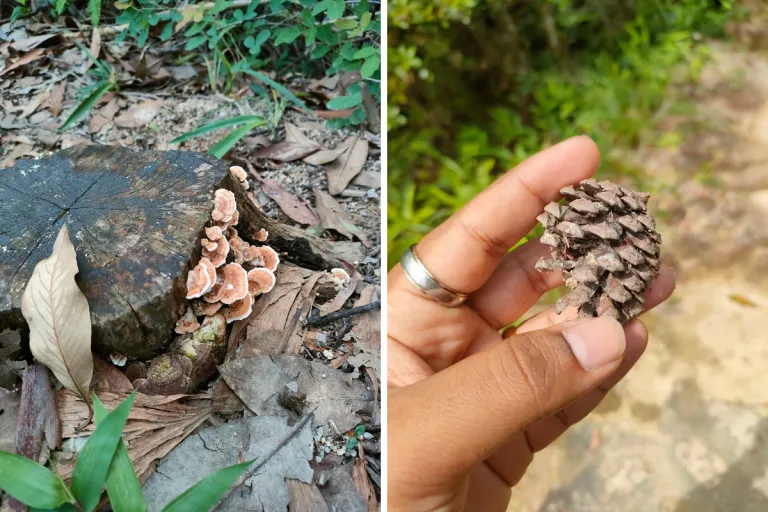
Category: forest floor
<point>686,430</point>
<point>40,83</point>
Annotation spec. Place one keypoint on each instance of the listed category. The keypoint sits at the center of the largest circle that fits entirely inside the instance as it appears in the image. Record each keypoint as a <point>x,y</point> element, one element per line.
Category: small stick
<point>253,469</point>
<point>338,315</point>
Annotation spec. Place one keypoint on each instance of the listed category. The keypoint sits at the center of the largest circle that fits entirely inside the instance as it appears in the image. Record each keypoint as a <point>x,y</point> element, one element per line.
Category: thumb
<point>455,419</point>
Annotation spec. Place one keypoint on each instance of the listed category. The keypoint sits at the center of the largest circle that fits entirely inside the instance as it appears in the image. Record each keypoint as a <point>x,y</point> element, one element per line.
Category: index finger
<point>463,251</point>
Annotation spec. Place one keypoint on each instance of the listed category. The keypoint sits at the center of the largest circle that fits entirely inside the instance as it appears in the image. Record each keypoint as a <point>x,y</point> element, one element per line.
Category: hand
<point>467,408</point>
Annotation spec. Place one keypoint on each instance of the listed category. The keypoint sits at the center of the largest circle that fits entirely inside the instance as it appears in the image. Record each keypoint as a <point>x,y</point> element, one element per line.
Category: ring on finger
<point>423,279</point>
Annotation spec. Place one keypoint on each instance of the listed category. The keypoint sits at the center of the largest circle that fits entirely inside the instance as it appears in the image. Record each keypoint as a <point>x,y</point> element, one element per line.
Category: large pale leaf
<point>59,319</point>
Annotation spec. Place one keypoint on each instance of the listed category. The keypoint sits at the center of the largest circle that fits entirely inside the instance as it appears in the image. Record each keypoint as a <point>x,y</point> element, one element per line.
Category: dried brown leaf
<point>294,134</point>
<point>34,104</point>
<point>305,497</point>
<point>325,156</point>
<point>287,151</point>
<point>56,98</point>
<point>29,43</point>
<point>367,326</point>
<point>103,116</point>
<point>25,59</point>
<point>334,114</point>
<point>363,483</point>
<point>139,115</point>
<point>343,170</point>
<point>95,48</point>
<point>295,208</point>
<point>59,318</point>
<point>9,404</point>
<point>370,179</point>
<point>108,377</point>
<point>156,424</point>
<point>333,216</point>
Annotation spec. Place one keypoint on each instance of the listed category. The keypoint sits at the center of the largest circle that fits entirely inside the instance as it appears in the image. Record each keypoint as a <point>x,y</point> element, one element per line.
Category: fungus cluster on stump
<point>221,288</point>
<point>605,242</point>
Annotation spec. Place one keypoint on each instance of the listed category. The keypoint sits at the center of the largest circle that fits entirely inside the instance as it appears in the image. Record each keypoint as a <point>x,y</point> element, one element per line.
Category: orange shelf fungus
<point>260,280</point>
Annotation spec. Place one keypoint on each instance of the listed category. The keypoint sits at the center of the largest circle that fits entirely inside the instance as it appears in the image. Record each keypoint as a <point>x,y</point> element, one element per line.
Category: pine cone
<point>606,245</point>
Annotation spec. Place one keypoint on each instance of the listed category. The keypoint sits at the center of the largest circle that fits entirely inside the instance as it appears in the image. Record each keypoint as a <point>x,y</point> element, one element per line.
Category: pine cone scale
<point>604,241</point>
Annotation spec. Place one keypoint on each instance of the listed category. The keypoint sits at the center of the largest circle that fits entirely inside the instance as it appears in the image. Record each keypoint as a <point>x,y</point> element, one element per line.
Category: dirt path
<point>687,430</point>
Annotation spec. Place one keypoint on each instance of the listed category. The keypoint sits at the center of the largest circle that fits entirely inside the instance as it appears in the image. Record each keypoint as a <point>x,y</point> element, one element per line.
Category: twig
<point>253,469</point>
<point>338,315</point>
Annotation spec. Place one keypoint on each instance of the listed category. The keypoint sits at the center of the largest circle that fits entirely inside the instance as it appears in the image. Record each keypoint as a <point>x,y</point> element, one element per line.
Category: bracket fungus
<point>241,175</point>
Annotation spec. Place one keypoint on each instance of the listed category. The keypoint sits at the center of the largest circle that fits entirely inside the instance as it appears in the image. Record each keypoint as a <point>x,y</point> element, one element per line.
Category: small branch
<point>338,315</point>
<point>258,465</point>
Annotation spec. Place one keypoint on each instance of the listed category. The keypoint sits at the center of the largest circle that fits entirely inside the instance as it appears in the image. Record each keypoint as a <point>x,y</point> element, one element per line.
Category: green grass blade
<point>94,7</point>
<point>220,148</point>
<point>123,486</point>
<point>279,88</point>
<point>93,463</point>
<point>31,483</point>
<point>87,104</point>
<point>231,121</point>
<point>205,493</point>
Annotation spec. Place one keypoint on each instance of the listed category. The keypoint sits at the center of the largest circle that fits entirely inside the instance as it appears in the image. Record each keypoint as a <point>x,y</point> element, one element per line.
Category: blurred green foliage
<point>476,87</point>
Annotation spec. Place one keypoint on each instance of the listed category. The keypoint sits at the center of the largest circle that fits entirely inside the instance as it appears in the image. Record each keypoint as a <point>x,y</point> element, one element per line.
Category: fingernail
<point>596,342</point>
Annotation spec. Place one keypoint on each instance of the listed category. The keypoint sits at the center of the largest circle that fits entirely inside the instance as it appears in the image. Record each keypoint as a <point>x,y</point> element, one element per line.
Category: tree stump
<point>135,219</point>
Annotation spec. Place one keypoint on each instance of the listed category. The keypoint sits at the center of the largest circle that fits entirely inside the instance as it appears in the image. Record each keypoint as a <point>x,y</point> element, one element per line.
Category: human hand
<point>467,409</point>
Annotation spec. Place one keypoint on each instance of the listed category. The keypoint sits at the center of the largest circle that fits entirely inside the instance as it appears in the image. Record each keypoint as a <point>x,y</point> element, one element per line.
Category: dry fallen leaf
<point>367,326</point>
<point>305,497</point>
<point>343,170</point>
<point>103,116</point>
<point>56,98</point>
<point>294,134</point>
<point>333,216</point>
<point>59,318</point>
<point>34,104</point>
<point>156,424</point>
<point>363,483</point>
<point>25,59</point>
<point>295,208</point>
<point>139,115</point>
<point>95,48</point>
<point>287,151</point>
<point>334,114</point>
<point>741,300</point>
<point>329,155</point>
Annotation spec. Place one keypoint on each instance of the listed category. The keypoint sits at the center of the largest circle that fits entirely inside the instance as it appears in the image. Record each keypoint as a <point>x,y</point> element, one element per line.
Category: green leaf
<point>60,5</point>
<point>345,24</point>
<point>307,18</point>
<point>31,483</point>
<point>359,430</point>
<point>220,148</point>
<point>287,35</point>
<point>369,67</point>
<point>194,42</point>
<point>123,486</point>
<point>263,36</point>
<point>344,102</point>
<point>94,8</point>
<point>205,493</point>
<point>93,463</point>
<point>362,9</point>
<point>364,52</point>
<point>279,88</point>
<point>321,7</point>
<point>167,32</point>
<point>276,6</point>
<point>335,9</point>
<point>216,125</point>
<point>351,443</point>
<point>87,104</point>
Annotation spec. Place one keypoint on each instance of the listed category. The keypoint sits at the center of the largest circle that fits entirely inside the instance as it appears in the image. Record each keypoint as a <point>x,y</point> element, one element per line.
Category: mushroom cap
<point>269,257</point>
<point>261,235</point>
<point>341,275</point>
<point>209,269</point>
<point>209,245</point>
<point>187,323</point>
<point>241,175</point>
<point>236,242</point>
<point>239,309</point>
<point>239,172</point>
<point>251,253</point>
<point>260,280</point>
<point>218,255</point>
<point>202,308</point>
<point>231,285</point>
<point>199,281</point>
<point>213,233</point>
<point>224,205</point>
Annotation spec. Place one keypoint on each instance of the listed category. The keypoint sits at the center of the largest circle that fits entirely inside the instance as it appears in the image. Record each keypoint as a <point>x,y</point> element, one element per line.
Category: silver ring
<point>418,274</point>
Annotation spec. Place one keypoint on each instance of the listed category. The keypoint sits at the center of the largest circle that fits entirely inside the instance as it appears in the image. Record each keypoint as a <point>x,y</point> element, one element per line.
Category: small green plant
<point>103,461</point>
<point>106,80</point>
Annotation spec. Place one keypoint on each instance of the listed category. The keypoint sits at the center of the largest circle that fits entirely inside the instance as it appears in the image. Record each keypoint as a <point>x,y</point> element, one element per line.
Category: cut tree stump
<point>135,219</point>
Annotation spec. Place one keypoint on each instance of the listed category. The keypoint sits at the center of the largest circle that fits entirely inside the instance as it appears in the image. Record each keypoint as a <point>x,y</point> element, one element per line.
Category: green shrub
<point>473,90</point>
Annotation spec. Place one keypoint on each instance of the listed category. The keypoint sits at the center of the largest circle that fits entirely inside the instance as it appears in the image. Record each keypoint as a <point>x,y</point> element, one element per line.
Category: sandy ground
<point>687,429</point>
